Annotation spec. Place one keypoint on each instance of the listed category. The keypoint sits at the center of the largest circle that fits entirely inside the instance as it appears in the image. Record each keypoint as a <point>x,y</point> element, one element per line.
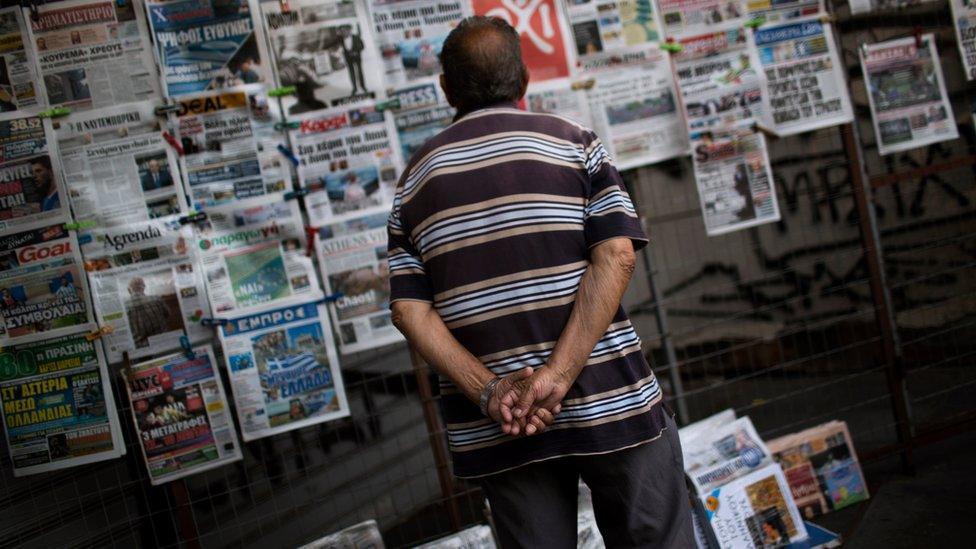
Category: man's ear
<point>447,93</point>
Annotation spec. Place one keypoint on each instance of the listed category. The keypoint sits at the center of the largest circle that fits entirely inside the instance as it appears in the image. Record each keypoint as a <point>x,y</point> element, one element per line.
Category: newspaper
<point>284,371</point>
<point>207,45</point>
<point>250,211</point>
<point>145,285</point>
<point>230,146</point>
<point>722,453</point>
<point>780,11</point>
<point>865,6</point>
<point>43,290</point>
<point>93,53</point>
<point>560,97</point>
<point>30,174</point>
<point>542,29</point>
<point>607,28</point>
<point>410,33</point>
<point>821,467</point>
<point>754,512</point>
<point>964,19</point>
<point>692,17</point>
<point>118,169</point>
<point>352,256</point>
<point>365,535</point>
<point>423,113</point>
<point>181,415</point>
<point>802,77</point>
<point>350,162</point>
<point>474,537</point>
<point>58,409</point>
<point>704,427</point>
<point>20,86</point>
<point>909,104</point>
<point>324,48</point>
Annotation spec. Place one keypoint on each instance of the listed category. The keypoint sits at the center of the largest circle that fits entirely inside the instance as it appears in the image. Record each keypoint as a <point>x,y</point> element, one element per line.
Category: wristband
<point>486,395</point>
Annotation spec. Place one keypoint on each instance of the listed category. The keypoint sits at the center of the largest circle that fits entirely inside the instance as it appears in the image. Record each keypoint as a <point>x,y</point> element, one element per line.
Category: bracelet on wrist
<point>486,393</point>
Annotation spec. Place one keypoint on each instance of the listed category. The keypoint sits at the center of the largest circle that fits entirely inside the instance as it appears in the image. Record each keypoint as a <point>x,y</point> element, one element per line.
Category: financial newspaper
<point>474,537</point>
<point>284,371</point>
<point>604,28</point>
<point>207,44</point>
<point>754,511</point>
<point>964,20</point>
<point>693,17</point>
<point>350,162</point>
<point>58,409</point>
<point>780,11</point>
<point>542,28</point>
<point>145,285</point>
<point>865,6</point>
<point>181,415</point>
<point>31,188</point>
<point>410,33</point>
<point>230,146</point>
<point>423,113</point>
<point>118,169</point>
<point>723,452</point>
<point>93,53</point>
<point>20,87</point>
<point>365,535</point>
<point>324,48</point>
<point>821,467</point>
<point>802,77</point>
<point>909,104</point>
<point>43,289</point>
<point>352,256</point>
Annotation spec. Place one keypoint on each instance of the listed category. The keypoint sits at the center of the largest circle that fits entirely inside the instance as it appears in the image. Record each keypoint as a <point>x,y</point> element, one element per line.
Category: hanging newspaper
<point>691,17</point>
<point>243,213</point>
<point>146,286</point>
<point>93,53</point>
<point>230,146</point>
<point>30,174</point>
<point>349,163</point>
<point>58,409</point>
<point>118,169</point>
<point>562,98</point>
<point>324,48</point>
<point>964,17</point>
<point>365,535</point>
<point>207,45</point>
<point>866,6</point>
<point>802,77</point>
<point>43,290</point>
<point>909,104</point>
<point>780,11</point>
<point>352,256</point>
<point>284,371</point>
<point>181,415</point>
<point>606,28</point>
<point>722,453</point>
<point>422,114</point>
<point>545,41</point>
<point>410,34</point>
<point>20,87</point>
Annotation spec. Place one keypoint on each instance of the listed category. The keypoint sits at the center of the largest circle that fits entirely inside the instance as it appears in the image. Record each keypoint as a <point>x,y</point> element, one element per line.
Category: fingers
<point>525,401</point>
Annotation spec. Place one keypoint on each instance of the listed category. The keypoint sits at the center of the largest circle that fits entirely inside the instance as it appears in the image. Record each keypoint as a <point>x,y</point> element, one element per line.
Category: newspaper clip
<point>54,112</point>
<point>84,238</point>
<point>583,84</point>
<point>173,142</point>
<point>209,322</point>
<point>310,234</point>
<point>286,152</point>
<point>282,91</point>
<point>187,348</point>
<point>297,193</point>
<point>78,225</point>
<point>389,104</point>
<point>285,126</point>
<point>671,46</point>
<point>97,334</point>
<point>755,22</point>
<point>193,217</point>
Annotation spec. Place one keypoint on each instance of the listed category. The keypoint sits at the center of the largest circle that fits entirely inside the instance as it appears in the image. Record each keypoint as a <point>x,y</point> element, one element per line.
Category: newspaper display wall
<point>964,21</point>
<point>58,409</point>
<point>350,162</point>
<point>422,114</point>
<point>146,286</point>
<point>43,290</point>
<point>693,17</point>
<point>229,144</point>
<point>207,45</point>
<point>93,53</point>
<point>366,535</point>
<point>181,415</point>
<point>118,169</point>
<point>605,28</point>
<point>780,11</point>
<point>353,259</point>
<point>283,369</point>
<point>802,78</point>
<point>909,104</point>
<point>30,183</point>
<point>540,24</point>
<point>20,87</point>
<point>324,48</point>
<point>719,454</point>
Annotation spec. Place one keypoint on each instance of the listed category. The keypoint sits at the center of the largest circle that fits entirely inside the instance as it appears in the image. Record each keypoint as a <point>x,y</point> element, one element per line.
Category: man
<point>246,72</point>
<point>352,53</point>
<point>45,195</point>
<point>511,242</point>
<point>156,177</point>
<point>148,314</point>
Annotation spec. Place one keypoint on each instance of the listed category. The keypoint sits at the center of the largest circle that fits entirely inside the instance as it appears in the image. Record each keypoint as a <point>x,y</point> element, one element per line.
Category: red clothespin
<point>918,37</point>
<point>310,233</point>
<point>173,142</point>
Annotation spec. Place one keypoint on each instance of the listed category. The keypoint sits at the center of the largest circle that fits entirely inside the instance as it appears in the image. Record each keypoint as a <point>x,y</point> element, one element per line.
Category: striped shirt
<point>492,223</point>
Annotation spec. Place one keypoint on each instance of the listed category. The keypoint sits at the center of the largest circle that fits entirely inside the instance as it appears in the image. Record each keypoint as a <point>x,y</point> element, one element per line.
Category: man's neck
<point>500,105</point>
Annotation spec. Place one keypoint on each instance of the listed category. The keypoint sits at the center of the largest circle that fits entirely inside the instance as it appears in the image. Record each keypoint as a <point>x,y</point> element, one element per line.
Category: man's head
<point>137,286</point>
<point>41,172</point>
<point>482,63</point>
<point>154,165</point>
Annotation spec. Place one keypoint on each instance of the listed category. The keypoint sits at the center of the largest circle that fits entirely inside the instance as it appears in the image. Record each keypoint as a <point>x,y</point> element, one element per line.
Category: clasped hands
<point>527,401</point>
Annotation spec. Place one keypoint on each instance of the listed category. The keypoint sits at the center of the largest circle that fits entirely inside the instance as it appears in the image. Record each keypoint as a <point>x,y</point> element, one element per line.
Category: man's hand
<point>541,392</point>
<point>500,407</point>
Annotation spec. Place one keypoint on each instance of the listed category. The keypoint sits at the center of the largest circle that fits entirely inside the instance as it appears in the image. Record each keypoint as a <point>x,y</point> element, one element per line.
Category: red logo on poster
<point>537,22</point>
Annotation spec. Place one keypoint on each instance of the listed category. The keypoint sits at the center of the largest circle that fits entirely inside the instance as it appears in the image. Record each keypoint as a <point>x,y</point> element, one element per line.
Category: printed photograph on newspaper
<point>20,86</point>
<point>964,21</point>
<point>781,11</point>
<point>422,114</point>
<point>542,29</point>
<point>607,28</point>
<point>31,188</point>
<point>43,288</point>
<point>181,415</point>
<point>93,53</point>
<point>682,18</point>
<point>352,257</point>
<point>722,453</point>
<point>284,371</point>
<point>118,169</point>
<point>58,409</point>
<point>909,104</point>
<point>207,45</point>
<point>561,97</point>
<point>324,48</point>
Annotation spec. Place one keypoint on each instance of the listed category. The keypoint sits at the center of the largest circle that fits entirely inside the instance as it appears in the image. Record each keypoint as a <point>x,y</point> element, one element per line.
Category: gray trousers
<point>639,498</point>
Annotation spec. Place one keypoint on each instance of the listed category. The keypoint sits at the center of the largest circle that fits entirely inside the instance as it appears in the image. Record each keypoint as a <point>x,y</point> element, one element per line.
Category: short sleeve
<point>609,213</point>
<point>408,277</point>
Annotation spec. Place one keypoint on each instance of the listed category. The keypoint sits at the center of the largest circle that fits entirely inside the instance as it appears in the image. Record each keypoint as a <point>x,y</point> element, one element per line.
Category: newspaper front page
<point>964,21</point>
<point>909,104</point>
<point>693,17</point>
<point>422,114</point>
<point>607,28</point>
<point>545,41</point>
<point>31,188</point>
<point>20,86</point>
<point>43,289</point>
<point>118,169</point>
<point>146,286</point>
<point>352,256</point>
<point>324,48</point>
<point>230,146</point>
<point>93,53</point>
<point>181,415</point>
<point>780,11</point>
<point>284,371</point>
<point>58,409</point>
<point>350,162</point>
<point>722,453</point>
<point>207,45</point>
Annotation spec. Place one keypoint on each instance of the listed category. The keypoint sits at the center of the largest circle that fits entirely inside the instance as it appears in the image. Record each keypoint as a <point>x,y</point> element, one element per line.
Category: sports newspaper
<point>31,187</point>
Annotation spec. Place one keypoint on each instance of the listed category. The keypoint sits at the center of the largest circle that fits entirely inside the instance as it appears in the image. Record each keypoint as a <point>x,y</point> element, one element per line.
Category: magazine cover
<point>723,453</point>
<point>20,86</point>
<point>31,185</point>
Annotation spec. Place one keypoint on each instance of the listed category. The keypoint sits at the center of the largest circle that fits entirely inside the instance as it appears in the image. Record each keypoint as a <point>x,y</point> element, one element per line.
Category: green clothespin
<point>282,91</point>
<point>756,22</point>
<point>671,46</point>
<point>282,126</point>
<point>388,104</point>
<point>55,112</point>
<point>79,225</point>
